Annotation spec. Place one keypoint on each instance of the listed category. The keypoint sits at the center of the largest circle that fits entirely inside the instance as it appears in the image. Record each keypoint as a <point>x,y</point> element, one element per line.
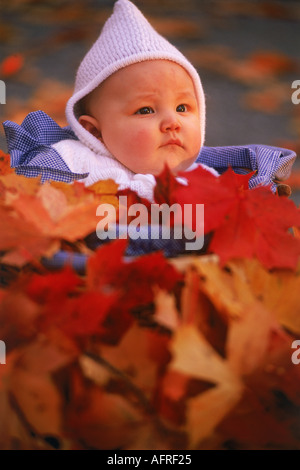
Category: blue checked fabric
<point>32,154</point>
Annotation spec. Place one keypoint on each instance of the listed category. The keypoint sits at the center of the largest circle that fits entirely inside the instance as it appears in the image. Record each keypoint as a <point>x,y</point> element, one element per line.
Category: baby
<point>138,105</point>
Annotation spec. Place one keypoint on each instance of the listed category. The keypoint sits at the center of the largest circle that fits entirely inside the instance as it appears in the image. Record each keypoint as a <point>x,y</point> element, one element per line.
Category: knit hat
<point>126,38</point>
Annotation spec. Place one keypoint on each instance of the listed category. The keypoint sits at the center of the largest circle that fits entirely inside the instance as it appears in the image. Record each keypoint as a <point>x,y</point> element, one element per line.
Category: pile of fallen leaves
<point>193,352</point>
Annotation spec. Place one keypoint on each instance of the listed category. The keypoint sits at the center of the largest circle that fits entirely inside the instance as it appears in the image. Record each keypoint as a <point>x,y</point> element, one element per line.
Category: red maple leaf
<point>166,185</point>
<point>139,277</point>
<point>133,279</point>
<point>105,265</point>
<point>245,223</point>
<point>53,286</point>
<point>85,315</point>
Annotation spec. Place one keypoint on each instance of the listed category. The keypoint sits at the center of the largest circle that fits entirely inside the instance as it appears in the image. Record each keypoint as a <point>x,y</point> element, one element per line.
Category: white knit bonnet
<point>126,38</point>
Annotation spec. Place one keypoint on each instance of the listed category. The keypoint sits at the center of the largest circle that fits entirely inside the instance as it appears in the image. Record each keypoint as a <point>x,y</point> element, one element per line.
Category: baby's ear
<point>91,125</point>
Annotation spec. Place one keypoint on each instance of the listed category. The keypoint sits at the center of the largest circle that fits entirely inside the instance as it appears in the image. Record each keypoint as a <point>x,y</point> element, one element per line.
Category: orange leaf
<point>5,167</point>
<point>270,62</point>
<point>17,184</point>
<point>133,359</point>
<point>104,187</point>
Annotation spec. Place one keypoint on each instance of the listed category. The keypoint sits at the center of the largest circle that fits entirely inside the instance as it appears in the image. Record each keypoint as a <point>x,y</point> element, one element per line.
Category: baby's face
<point>147,115</point>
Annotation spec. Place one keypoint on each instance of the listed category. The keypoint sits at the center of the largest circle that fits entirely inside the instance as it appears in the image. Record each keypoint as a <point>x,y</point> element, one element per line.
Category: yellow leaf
<point>193,355</point>
<point>104,187</point>
<point>278,291</point>
<point>206,411</point>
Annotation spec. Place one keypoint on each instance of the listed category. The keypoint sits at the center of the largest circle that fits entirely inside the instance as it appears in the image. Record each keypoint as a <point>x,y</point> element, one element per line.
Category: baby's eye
<point>182,108</point>
<point>145,110</point>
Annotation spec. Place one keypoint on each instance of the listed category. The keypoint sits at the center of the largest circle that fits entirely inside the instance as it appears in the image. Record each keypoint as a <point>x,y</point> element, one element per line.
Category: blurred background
<point>246,51</point>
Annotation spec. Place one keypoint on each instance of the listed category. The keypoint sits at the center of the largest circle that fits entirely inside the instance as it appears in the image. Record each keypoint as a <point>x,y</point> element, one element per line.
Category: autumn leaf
<point>18,184</point>
<point>79,317</point>
<point>44,219</point>
<point>102,267</point>
<point>166,313</point>
<point>278,291</point>
<point>5,167</point>
<point>193,355</point>
<point>136,278</point>
<point>63,306</point>
<point>18,315</point>
<point>98,419</point>
<point>245,223</point>
<point>166,185</point>
<point>11,65</point>
<point>131,198</point>
<point>202,311</point>
<point>177,28</point>
<point>248,295</point>
<point>39,399</point>
<point>271,62</point>
<point>132,358</point>
<point>75,192</point>
<point>56,286</point>
<point>104,187</point>
<point>23,239</point>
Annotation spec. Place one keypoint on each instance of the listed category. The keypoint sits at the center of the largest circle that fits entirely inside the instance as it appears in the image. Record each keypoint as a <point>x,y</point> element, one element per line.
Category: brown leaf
<point>101,420</point>
<point>132,358</point>
<point>39,401</point>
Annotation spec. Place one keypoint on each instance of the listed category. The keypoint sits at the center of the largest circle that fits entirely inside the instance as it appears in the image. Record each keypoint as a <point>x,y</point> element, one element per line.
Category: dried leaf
<point>103,421</point>
<point>166,313</point>
<point>39,400</point>
<point>207,410</point>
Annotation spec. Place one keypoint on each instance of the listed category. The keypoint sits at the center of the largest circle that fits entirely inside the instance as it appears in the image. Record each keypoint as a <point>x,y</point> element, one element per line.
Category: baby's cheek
<point>143,139</point>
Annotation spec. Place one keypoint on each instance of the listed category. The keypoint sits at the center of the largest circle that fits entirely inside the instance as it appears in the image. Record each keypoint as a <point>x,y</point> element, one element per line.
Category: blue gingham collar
<point>32,154</point>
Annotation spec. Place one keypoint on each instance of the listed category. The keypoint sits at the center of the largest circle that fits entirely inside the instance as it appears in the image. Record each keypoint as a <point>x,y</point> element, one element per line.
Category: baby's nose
<point>170,122</point>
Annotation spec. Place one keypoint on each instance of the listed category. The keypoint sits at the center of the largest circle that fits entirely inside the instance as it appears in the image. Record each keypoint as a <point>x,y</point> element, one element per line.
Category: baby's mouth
<point>172,142</point>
